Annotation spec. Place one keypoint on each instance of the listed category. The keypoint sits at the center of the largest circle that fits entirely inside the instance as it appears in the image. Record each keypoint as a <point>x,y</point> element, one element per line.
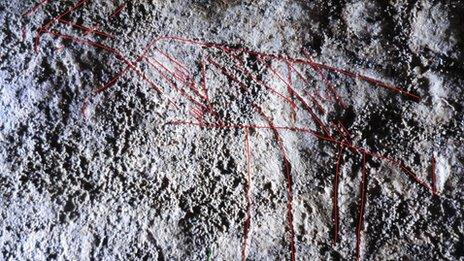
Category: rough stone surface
<point>115,175</point>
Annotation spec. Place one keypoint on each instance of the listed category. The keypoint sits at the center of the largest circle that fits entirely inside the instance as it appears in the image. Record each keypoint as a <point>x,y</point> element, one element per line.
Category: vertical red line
<point>289,179</point>
<point>434,176</point>
<point>247,225</point>
<point>335,211</point>
<point>362,205</point>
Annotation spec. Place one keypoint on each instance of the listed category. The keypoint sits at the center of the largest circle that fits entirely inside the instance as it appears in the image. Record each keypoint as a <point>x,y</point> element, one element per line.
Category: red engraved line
<point>341,131</point>
<point>319,95</point>
<point>293,60</point>
<point>85,29</point>
<point>23,31</point>
<point>335,211</point>
<point>298,97</point>
<point>171,58</point>
<point>118,10</point>
<point>203,80</point>
<point>188,83</point>
<point>313,98</point>
<point>130,65</point>
<point>370,80</point>
<point>247,225</point>
<point>125,70</point>
<point>362,205</point>
<point>328,84</point>
<point>345,144</point>
<point>205,106</point>
<point>155,65</point>
<point>316,102</point>
<point>345,130</point>
<point>290,91</point>
<point>226,73</point>
<point>228,49</point>
<point>45,27</point>
<point>198,114</point>
<point>289,178</point>
<point>434,176</point>
<point>35,7</point>
<point>116,53</point>
<point>243,70</point>
<point>390,160</point>
<point>415,177</point>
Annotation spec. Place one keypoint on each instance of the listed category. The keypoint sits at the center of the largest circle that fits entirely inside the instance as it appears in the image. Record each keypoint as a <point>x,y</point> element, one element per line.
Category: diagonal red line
<point>118,10</point>
<point>84,28</point>
<point>301,99</point>
<point>35,7</point>
<point>45,27</point>
<point>289,180</point>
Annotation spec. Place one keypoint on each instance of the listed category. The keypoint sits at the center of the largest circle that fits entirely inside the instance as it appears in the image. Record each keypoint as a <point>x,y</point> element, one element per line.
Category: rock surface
<point>229,130</point>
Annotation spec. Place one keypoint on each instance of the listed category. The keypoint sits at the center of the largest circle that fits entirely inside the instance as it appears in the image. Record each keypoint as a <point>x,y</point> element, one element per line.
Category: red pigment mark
<point>87,30</point>
<point>84,107</point>
<point>198,114</point>
<point>181,74</point>
<point>303,102</point>
<point>328,84</point>
<point>335,211</point>
<point>434,177</point>
<point>316,102</point>
<point>178,77</point>
<point>362,205</point>
<point>366,79</point>
<point>23,33</point>
<point>245,71</point>
<point>288,176</point>
<point>203,80</point>
<point>313,98</point>
<point>155,65</point>
<point>35,7</point>
<point>118,10</point>
<point>247,224</point>
<point>290,91</point>
<point>345,130</point>
<point>45,27</point>
<point>60,48</point>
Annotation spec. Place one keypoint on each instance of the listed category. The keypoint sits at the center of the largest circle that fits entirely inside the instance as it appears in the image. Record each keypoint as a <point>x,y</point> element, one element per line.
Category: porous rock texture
<point>148,168</point>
